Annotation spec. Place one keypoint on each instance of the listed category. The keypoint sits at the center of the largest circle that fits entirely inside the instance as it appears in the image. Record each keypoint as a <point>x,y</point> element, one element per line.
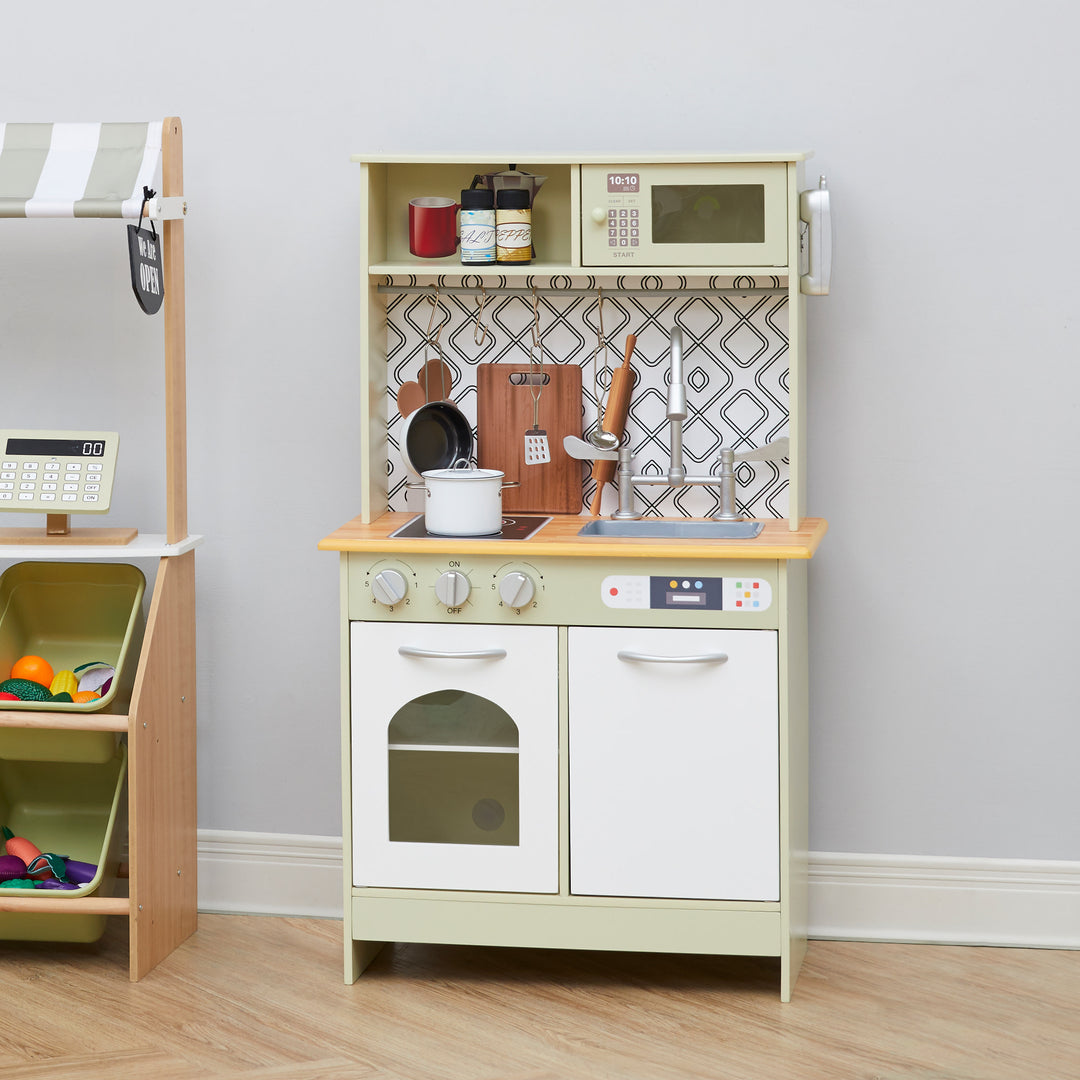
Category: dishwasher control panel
<point>672,592</point>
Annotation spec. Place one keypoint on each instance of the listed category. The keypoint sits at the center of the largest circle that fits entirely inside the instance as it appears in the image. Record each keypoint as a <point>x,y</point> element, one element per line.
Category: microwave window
<point>708,214</point>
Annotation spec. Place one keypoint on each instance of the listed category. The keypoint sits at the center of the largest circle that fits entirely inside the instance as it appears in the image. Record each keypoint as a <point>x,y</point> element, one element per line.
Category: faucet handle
<point>585,451</point>
<point>776,450</point>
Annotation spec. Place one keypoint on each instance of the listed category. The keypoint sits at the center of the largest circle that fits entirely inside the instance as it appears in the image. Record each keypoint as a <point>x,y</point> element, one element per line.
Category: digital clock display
<point>623,183</point>
<point>67,448</point>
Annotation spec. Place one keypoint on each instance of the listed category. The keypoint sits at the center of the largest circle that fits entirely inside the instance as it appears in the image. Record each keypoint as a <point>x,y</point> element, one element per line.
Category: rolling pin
<point>618,403</point>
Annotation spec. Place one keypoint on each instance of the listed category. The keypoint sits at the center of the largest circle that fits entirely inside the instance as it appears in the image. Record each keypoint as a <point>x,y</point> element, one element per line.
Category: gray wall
<point>943,369</point>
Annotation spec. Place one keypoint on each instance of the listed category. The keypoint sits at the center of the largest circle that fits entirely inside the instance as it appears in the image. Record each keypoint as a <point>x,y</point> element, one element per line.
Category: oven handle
<point>435,654</point>
<point>646,658</point>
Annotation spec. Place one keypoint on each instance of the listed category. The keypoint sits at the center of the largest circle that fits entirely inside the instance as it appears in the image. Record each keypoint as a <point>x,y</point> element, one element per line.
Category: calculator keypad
<point>53,483</point>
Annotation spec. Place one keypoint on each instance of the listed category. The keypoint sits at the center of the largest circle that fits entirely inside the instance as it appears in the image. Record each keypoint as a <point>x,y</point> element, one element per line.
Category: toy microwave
<point>709,214</point>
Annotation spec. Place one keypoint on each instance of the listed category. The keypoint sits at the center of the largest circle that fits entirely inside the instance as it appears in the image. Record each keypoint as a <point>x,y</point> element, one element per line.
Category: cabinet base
<point>575,925</point>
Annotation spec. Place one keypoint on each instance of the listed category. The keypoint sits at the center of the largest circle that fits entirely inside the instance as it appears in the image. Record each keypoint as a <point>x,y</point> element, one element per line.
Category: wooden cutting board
<point>504,412</point>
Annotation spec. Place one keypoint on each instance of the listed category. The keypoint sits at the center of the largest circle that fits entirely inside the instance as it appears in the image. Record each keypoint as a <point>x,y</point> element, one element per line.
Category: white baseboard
<point>957,901</point>
<point>270,874</point>
<point>1021,902</point>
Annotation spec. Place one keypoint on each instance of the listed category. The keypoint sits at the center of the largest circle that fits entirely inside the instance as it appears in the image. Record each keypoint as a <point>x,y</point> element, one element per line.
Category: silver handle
<point>583,451</point>
<point>646,658</point>
<point>776,450</point>
<point>435,654</point>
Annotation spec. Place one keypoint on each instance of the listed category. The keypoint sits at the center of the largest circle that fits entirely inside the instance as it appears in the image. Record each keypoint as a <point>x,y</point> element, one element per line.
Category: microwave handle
<point>815,210</point>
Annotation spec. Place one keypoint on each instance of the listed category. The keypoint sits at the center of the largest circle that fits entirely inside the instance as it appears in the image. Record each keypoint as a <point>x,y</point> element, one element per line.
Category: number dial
<point>389,587</point>
<point>516,589</point>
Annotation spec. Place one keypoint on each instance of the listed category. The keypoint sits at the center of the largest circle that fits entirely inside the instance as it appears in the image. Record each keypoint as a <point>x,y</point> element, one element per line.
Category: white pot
<point>464,502</point>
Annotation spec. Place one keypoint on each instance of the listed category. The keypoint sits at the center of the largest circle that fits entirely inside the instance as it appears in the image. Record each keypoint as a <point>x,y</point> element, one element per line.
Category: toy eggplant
<point>11,867</point>
<point>79,873</point>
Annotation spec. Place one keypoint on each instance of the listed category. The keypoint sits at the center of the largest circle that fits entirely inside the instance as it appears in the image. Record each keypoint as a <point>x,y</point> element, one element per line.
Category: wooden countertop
<point>559,538</point>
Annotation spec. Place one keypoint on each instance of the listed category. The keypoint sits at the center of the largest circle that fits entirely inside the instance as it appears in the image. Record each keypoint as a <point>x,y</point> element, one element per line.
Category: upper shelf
<point>576,159</point>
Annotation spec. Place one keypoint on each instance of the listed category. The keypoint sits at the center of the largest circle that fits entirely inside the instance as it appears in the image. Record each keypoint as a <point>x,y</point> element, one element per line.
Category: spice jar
<point>478,226</point>
<point>513,226</point>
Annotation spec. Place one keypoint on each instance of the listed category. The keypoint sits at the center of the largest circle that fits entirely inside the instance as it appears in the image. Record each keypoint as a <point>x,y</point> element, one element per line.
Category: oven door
<point>710,214</point>
<point>455,756</point>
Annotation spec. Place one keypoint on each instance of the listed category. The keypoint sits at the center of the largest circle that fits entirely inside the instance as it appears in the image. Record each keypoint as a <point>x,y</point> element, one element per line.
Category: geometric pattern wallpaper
<point>735,366</point>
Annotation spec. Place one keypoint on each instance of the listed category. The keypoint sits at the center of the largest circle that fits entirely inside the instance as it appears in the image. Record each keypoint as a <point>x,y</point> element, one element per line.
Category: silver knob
<point>389,587</point>
<point>452,588</point>
<point>516,589</point>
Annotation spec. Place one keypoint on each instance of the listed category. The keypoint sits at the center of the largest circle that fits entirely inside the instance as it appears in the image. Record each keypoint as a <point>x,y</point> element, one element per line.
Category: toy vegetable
<point>64,682</point>
<point>20,846</point>
<point>46,866</point>
<point>11,866</point>
<point>79,873</point>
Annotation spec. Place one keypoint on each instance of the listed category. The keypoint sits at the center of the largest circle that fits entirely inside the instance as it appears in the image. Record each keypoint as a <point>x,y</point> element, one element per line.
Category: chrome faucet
<point>675,476</point>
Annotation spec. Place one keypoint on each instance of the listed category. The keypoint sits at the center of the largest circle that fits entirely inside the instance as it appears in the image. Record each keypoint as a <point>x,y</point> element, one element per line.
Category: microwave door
<point>708,214</point>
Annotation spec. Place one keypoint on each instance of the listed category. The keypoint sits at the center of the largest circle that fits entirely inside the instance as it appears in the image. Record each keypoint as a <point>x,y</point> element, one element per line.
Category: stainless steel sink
<point>658,529</point>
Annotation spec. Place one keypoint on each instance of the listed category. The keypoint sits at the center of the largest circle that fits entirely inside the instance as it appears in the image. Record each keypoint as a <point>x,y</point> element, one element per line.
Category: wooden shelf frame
<point>160,719</point>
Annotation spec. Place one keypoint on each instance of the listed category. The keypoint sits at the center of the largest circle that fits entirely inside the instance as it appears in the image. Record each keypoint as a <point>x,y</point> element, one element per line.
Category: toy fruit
<point>25,689</point>
<point>34,668</point>
<point>83,696</point>
<point>64,682</point>
<point>64,697</point>
<point>5,696</point>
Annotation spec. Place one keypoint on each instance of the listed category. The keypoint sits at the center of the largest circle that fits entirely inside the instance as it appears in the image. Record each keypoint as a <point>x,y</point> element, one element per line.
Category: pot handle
<point>510,483</point>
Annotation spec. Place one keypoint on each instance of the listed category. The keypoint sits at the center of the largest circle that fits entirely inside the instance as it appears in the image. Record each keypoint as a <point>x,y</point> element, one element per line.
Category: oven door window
<point>455,756</point>
<point>453,771</point>
<point>708,214</point>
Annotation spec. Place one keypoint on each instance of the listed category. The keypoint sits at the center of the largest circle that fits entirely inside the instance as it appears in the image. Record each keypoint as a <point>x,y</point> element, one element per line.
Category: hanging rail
<point>528,290</point>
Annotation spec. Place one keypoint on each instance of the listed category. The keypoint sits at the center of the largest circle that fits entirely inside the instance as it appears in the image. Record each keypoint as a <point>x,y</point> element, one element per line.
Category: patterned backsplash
<point>735,368</point>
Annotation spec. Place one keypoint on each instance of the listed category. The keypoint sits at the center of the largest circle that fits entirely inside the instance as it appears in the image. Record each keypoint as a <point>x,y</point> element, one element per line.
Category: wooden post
<point>172,183</point>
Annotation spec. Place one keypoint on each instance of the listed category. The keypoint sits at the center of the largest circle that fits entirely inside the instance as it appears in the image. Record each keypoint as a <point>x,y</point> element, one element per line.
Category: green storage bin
<point>71,809</point>
<point>70,613</point>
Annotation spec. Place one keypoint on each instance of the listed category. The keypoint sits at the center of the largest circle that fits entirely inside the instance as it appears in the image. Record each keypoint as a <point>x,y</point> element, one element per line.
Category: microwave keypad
<point>624,227</point>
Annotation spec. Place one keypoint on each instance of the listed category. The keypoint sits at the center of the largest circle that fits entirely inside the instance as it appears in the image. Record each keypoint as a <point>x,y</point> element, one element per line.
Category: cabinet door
<point>455,756</point>
<point>674,763</point>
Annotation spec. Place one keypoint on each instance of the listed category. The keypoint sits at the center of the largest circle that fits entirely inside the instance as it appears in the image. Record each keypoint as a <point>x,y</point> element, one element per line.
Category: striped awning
<point>77,170</point>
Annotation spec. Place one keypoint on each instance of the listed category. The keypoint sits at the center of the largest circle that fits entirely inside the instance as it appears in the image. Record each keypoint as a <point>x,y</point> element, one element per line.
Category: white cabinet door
<point>674,763</point>
<point>455,756</point>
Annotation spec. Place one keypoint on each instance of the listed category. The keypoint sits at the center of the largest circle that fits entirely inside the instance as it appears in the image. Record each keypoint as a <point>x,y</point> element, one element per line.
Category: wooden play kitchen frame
<point>396,581</point>
<point>158,722</point>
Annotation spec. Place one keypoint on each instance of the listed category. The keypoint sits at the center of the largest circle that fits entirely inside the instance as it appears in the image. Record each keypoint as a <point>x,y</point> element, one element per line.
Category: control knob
<point>389,587</point>
<point>599,215</point>
<point>452,588</point>
<point>516,590</point>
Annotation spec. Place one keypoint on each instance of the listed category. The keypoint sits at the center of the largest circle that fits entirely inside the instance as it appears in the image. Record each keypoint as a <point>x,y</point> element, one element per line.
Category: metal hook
<point>479,327</point>
<point>536,319</point>
<point>536,381</point>
<point>601,344</point>
<point>433,298</point>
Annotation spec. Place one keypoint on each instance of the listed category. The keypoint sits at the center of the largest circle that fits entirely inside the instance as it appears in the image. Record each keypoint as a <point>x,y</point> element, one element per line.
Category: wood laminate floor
<point>262,998</point>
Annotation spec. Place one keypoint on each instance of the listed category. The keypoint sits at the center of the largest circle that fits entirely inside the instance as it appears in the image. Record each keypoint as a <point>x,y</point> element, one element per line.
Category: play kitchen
<point>573,609</point>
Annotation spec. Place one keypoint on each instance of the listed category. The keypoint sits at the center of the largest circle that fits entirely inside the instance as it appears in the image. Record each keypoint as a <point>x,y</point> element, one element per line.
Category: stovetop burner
<point>519,527</point>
